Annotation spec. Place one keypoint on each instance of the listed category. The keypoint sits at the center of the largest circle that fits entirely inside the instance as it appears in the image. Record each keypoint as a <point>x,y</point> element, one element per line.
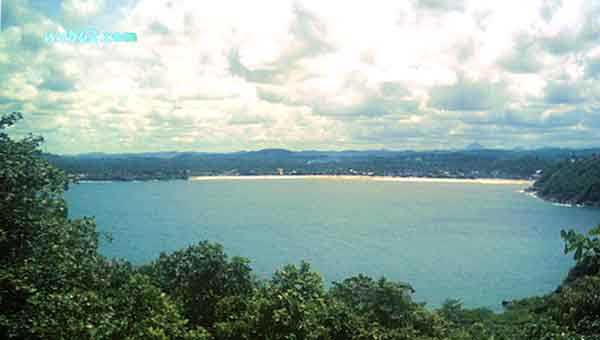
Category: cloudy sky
<point>241,75</point>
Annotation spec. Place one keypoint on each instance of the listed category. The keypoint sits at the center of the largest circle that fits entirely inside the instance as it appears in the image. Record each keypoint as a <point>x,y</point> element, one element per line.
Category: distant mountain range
<point>284,153</point>
<point>474,162</point>
<point>475,146</point>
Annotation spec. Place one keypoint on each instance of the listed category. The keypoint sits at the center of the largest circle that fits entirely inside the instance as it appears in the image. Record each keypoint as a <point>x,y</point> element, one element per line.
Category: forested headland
<point>573,181</point>
<point>54,284</point>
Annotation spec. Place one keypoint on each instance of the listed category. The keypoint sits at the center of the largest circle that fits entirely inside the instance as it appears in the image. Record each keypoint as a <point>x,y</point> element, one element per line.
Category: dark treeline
<point>54,284</point>
<point>511,164</point>
<point>573,181</point>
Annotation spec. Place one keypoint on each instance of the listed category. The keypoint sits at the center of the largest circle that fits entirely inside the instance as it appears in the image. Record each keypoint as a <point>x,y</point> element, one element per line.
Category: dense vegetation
<point>574,181</point>
<point>445,164</point>
<point>55,285</point>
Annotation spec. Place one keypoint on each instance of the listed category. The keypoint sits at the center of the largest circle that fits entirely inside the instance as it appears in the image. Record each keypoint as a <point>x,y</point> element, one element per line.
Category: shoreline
<point>557,202</point>
<point>369,178</point>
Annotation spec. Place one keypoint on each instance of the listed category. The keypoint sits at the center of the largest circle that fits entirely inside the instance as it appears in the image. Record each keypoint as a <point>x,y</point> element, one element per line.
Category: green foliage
<point>577,306</point>
<point>388,305</point>
<point>53,282</point>
<point>453,311</point>
<point>287,307</point>
<point>31,191</point>
<point>45,258</point>
<point>586,252</point>
<point>575,181</point>
<point>382,301</point>
<point>143,311</point>
<point>199,277</point>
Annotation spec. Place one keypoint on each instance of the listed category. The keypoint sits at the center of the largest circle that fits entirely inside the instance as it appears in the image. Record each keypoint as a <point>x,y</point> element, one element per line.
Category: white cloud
<point>232,75</point>
<point>81,11</point>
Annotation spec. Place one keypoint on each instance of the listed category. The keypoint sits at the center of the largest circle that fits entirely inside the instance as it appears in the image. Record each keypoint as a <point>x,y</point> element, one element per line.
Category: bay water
<point>481,243</point>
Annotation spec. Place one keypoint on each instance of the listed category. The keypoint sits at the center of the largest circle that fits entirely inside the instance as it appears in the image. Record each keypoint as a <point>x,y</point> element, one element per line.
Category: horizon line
<point>514,149</point>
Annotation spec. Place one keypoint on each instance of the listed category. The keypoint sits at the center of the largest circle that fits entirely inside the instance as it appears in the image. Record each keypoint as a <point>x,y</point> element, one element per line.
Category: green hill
<point>574,181</point>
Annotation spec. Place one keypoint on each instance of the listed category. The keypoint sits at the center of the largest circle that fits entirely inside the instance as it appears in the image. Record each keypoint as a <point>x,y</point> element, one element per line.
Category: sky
<point>225,75</point>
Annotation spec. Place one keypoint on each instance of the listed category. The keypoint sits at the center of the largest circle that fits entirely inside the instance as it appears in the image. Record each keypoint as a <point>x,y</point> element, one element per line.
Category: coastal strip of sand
<point>367,178</point>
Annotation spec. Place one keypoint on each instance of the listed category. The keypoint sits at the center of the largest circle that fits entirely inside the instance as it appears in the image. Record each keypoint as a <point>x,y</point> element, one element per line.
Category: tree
<point>42,252</point>
<point>586,252</point>
<point>286,307</point>
<point>199,277</point>
<point>382,301</point>
<point>53,282</point>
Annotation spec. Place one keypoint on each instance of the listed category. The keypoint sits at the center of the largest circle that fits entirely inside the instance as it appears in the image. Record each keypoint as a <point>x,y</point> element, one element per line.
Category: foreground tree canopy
<point>54,284</point>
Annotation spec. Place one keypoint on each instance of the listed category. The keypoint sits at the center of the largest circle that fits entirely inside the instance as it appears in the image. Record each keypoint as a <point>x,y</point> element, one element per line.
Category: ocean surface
<point>480,243</point>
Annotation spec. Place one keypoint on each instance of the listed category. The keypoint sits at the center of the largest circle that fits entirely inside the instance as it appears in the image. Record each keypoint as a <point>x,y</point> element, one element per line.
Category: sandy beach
<point>367,178</point>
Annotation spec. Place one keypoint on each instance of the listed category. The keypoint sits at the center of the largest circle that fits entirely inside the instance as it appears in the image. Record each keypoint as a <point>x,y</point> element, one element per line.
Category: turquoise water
<point>480,243</point>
